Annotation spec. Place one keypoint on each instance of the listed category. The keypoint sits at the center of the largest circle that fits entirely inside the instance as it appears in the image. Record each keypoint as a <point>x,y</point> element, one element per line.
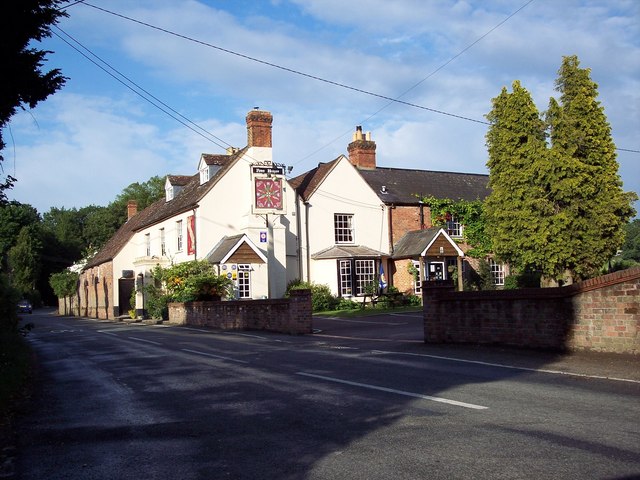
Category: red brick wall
<point>292,315</point>
<point>95,292</point>
<point>601,314</point>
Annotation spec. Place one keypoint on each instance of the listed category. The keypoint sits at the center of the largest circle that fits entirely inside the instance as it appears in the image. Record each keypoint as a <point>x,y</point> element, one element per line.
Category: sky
<point>446,58</point>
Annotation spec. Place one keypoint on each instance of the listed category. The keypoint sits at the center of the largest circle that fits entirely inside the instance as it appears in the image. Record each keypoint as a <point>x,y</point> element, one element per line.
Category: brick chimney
<point>132,209</point>
<point>362,150</point>
<point>259,128</point>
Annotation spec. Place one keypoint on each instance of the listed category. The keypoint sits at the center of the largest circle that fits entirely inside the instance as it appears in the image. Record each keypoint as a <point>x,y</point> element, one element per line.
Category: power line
<point>159,105</point>
<point>331,82</point>
<point>286,69</point>
<point>421,81</point>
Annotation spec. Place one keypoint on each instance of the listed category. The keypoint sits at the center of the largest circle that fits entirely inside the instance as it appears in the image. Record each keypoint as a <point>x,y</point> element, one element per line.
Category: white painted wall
<point>342,191</point>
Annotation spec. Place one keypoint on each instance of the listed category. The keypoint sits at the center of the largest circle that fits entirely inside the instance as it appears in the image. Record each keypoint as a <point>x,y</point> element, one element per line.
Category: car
<point>24,306</point>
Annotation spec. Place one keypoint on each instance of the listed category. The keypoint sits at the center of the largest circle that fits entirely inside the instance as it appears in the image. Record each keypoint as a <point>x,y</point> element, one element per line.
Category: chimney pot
<point>362,150</point>
<point>132,209</point>
<point>259,128</point>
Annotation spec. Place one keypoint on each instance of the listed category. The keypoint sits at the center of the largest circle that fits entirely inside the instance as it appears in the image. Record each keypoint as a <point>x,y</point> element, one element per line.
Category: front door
<point>435,271</point>
<point>125,288</point>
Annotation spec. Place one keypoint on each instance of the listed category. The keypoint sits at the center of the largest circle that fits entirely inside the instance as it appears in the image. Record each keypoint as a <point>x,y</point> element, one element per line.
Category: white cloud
<point>110,138</point>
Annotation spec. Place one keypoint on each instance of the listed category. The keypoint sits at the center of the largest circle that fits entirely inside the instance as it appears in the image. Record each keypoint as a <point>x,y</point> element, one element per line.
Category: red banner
<point>191,235</point>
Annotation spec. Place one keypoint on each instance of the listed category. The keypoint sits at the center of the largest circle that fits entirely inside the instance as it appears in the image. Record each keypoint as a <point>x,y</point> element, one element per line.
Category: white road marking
<point>398,392</point>
<point>143,340</point>
<point>511,367</point>
<point>212,355</point>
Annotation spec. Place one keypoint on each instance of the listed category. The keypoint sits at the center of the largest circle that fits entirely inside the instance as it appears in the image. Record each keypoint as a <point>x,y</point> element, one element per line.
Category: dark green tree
<point>64,285</point>
<point>559,209</point>
<point>631,247</point>
<point>144,194</point>
<point>583,185</point>
<point>24,262</point>
<point>24,83</point>
<point>13,217</point>
<point>515,219</point>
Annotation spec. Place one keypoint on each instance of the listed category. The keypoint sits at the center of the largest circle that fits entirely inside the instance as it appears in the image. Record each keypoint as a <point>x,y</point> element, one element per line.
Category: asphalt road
<point>360,399</point>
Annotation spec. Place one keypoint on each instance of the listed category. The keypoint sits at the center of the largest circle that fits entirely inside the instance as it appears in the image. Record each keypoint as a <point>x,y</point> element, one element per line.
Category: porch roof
<point>418,243</point>
<point>347,251</point>
<point>227,246</point>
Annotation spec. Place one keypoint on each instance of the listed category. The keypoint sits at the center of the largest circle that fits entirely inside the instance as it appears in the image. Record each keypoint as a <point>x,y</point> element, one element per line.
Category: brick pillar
<point>300,312</point>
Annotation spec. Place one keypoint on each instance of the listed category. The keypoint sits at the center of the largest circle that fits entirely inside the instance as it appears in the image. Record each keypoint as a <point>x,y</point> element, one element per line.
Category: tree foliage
<point>24,83</point>
<point>558,208</point>
<point>631,247</point>
<point>24,261</point>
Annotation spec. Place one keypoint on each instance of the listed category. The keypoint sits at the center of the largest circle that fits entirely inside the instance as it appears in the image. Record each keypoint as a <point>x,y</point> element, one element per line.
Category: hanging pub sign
<point>268,187</point>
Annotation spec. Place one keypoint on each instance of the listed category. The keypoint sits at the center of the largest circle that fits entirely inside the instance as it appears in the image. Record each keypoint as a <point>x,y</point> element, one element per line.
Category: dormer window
<point>204,174</point>
<point>169,192</point>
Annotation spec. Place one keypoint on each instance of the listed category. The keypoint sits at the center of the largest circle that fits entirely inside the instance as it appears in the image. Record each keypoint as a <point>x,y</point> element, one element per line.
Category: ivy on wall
<point>469,213</point>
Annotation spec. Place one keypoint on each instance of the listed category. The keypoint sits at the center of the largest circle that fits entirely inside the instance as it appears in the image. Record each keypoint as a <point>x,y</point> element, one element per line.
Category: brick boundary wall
<point>601,314</point>
<point>287,315</point>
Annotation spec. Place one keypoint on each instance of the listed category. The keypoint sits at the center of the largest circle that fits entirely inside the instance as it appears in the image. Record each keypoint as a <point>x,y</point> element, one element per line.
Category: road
<point>359,399</point>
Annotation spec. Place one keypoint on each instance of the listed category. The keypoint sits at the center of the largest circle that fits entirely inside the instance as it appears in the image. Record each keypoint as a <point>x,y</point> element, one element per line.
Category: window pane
<point>365,275</point>
<point>497,272</point>
<point>343,227</point>
<point>345,278</point>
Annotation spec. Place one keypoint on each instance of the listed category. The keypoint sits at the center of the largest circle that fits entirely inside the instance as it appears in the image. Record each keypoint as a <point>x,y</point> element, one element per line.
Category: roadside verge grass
<point>366,312</point>
<point>15,367</point>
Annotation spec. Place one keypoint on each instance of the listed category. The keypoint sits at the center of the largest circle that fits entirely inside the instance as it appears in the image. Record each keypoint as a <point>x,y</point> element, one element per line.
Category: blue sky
<point>94,137</point>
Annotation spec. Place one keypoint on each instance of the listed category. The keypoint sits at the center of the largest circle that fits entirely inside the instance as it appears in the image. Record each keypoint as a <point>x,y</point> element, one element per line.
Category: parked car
<point>24,306</point>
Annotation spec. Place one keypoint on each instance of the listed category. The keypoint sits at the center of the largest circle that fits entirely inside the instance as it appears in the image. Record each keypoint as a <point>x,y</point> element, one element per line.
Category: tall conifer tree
<point>559,208</point>
<point>516,141</point>
<point>584,184</point>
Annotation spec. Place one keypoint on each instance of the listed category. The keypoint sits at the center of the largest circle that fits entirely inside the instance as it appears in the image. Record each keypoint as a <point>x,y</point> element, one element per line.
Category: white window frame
<point>163,243</point>
<point>454,227</point>
<point>497,272</point>
<point>244,281</point>
<point>343,229</point>
<point>417,280</point>
<point>344,277</point>
<point>147,244</point>
<point>179,241</point>
<point>365,274</point>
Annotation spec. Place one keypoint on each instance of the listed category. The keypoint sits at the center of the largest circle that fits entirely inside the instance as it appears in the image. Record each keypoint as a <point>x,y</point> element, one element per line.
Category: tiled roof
<point>217,159</point>
<point>222,248</point>
<point>308,182</point>
<point>160,210</point>
<point>347,251</point>
<point>179,180</point>
<point>413,243</point>
<point>402,185</point>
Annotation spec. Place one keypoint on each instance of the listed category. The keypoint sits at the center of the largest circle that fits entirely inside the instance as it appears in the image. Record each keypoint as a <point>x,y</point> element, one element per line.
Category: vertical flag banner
<point>191,235</point>
<point>383,280</point>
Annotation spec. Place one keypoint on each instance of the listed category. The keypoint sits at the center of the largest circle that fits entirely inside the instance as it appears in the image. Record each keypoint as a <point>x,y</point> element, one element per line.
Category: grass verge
<point>15,369</point>
<point>367,312</point>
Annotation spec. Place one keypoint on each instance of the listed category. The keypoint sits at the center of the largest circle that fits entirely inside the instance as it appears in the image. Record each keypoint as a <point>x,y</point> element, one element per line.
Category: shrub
<point>321,297</point>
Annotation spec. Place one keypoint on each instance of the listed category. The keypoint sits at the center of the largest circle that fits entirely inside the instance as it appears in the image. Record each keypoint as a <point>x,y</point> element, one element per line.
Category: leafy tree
<point>22,22</point>
<point>556,209</point>
<point>24,261</point>
<point>631,247</point>
<point>13,217</point>
<point>143,193</point>
<point>64,285</point>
